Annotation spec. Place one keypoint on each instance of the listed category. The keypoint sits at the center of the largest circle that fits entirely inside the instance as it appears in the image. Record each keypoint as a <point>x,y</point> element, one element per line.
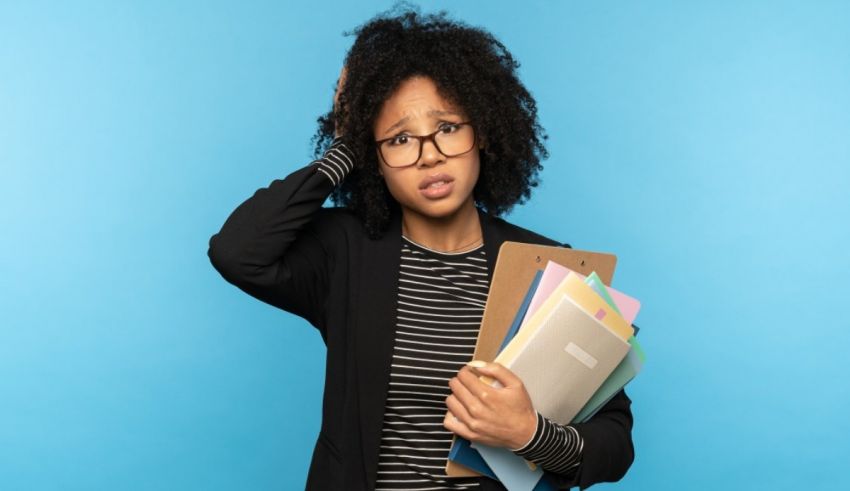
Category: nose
<point>431,156</point>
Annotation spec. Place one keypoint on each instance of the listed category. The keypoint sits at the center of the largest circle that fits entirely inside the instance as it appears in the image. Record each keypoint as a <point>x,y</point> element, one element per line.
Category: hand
<point>339,85</point>
<point>502,417</point>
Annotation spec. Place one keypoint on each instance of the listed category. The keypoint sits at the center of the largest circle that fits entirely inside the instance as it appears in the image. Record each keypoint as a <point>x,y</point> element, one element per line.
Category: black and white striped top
<point>441,299</point>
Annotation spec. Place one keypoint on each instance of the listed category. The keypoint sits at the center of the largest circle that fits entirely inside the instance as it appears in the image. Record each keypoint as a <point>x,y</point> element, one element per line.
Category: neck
<point>452,233</point>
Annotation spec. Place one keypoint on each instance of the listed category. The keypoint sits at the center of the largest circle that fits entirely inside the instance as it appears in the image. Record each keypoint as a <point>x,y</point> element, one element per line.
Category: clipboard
<point>515,268</point>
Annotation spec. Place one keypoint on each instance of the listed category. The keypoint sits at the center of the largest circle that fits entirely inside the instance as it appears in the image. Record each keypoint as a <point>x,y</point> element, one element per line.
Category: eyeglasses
<point>452,140</point>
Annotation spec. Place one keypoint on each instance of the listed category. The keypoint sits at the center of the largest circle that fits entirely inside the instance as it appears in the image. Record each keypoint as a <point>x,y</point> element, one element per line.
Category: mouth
<point>437,181</point>
<point>437,187</point>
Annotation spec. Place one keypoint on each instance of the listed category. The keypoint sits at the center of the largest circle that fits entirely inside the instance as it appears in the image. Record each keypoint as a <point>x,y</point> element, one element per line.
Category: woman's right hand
<point>340,84</point>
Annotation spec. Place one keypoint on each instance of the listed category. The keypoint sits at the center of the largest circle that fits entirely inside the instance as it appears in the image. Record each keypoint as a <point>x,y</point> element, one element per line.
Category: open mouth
<point>437,189</point>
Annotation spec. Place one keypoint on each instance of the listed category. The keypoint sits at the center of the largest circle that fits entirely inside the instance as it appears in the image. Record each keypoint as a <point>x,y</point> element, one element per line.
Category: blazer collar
<point>375,326</point>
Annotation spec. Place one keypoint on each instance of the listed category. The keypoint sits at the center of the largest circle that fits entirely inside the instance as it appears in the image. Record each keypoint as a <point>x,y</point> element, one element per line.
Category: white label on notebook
<point>581,355</point>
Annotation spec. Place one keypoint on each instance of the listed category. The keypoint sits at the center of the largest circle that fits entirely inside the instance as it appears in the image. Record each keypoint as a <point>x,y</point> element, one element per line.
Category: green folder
<point>625,371</point>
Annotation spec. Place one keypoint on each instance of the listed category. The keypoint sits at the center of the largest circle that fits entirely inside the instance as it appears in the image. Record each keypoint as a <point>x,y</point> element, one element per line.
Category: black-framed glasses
<point>451,139</point>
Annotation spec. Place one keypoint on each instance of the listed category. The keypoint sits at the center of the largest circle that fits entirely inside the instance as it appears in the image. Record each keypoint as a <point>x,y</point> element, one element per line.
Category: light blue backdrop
<point>705,144</point>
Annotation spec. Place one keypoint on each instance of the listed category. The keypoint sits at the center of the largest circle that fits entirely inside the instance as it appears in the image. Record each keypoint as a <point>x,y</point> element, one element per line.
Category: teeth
<point>436,184</point>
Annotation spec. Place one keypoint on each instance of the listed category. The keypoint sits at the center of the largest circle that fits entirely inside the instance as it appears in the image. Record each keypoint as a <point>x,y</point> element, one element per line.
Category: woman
<point>431,137</point>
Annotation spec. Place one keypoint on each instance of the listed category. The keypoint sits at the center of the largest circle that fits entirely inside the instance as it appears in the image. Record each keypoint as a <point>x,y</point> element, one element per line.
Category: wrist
<point>527,435</point>
<point>337,161</point>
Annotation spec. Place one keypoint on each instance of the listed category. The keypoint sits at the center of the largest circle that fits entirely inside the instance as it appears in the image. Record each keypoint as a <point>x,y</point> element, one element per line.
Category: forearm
<point>260,230</point>
<point>275,247</point>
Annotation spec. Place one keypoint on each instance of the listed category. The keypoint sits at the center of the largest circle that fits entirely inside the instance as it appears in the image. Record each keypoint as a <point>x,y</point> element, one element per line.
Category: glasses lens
<point>454,139</point>
<point>400,151</point>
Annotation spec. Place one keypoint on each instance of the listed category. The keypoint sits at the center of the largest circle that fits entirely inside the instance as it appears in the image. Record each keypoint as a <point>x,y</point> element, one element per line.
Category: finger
<point>499,372</point>
<point>474,386</point>
<point>473,405</point>
<point>455,425</point>
<point>470,407</point>
<point>458,410</point>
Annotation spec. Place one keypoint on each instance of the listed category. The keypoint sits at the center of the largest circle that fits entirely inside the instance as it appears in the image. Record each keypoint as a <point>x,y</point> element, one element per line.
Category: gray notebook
<point>566,360</point>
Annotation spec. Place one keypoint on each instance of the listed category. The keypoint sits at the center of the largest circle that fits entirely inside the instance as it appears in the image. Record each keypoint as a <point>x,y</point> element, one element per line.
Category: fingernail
<point>477,364</point>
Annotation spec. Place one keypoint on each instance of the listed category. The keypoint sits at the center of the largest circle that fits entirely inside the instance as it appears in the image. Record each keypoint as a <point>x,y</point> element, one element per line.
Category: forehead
<point>415,98</point>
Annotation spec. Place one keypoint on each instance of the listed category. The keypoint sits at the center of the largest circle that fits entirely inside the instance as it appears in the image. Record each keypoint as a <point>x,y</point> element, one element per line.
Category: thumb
<point>503,375</point>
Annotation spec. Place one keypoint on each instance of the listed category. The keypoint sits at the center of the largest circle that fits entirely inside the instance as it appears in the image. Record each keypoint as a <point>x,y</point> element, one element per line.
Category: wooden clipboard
<point>515,269</point>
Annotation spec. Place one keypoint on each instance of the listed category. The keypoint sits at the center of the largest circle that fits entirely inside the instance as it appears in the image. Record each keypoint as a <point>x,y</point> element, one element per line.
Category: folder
<point>555,273</point>
<point>574,288</point>
<point>516,266</point>
<point>565,359</point>
<point>512,471</point>
<point>631,364</point>
<point>621,303</point>
<point>523,308</point>
<point>502,464</point>
<point>580,353</point>
<point>622,375</point>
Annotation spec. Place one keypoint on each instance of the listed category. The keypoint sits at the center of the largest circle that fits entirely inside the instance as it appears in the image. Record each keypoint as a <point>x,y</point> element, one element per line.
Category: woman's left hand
<point>502,417</point>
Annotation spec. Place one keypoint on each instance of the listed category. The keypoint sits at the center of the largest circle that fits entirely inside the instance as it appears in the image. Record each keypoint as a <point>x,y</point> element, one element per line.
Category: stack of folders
<point>572,342</point>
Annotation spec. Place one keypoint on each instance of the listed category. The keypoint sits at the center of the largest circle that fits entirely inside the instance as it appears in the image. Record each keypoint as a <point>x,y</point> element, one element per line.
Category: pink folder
<point>554,274</point>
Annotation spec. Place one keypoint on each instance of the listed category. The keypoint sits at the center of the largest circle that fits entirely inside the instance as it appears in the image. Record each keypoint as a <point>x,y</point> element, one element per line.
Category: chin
<point>438,208</point>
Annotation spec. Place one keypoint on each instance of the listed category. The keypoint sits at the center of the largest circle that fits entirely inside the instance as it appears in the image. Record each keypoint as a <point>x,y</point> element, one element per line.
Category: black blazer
<point>282,247</point>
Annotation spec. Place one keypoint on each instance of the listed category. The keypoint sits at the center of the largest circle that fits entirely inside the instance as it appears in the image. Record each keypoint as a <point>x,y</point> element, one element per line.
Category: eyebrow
<point>433,112</point>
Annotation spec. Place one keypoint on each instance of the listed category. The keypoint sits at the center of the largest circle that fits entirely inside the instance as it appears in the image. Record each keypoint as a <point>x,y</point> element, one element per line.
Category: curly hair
<point>470,68</point>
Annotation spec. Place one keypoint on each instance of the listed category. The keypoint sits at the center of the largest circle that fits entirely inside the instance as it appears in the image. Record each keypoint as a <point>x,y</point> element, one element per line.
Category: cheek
<point>473,173</point>
<point>399,187</point>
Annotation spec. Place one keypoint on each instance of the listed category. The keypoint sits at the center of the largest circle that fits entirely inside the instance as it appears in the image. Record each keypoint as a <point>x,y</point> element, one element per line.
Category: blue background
<point>705,144</point>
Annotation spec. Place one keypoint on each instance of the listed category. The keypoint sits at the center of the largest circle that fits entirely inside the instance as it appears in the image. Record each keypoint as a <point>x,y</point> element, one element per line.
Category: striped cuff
<point>556,448</point>
<point>337,161</point>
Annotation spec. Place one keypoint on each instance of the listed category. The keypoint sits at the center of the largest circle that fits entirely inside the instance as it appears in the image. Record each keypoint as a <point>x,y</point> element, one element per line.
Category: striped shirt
<point>441,299</point>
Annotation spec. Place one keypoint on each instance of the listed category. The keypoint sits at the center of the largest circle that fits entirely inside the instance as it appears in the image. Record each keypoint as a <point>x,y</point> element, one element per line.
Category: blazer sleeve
<point>276,246</point>
<point>608,451</point>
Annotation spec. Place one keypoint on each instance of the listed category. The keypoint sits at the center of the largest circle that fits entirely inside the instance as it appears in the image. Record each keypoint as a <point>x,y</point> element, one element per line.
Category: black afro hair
<point>470,68</point>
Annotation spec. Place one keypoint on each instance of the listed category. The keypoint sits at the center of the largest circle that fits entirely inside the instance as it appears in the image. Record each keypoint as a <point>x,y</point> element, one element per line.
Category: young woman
<point>431,137</point>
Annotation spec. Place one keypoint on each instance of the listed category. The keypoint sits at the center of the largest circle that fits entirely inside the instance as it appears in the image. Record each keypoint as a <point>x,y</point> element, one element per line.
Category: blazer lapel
<point>374,336</point>
<point>493,238</point>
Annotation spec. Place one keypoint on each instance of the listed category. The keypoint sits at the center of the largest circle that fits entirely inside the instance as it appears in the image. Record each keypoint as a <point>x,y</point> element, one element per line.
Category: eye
<point>399,140</point>
<point>449,128</point>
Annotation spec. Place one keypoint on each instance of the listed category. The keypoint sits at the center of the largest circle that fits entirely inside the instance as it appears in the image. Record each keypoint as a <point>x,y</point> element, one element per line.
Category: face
<point>417,109</point>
